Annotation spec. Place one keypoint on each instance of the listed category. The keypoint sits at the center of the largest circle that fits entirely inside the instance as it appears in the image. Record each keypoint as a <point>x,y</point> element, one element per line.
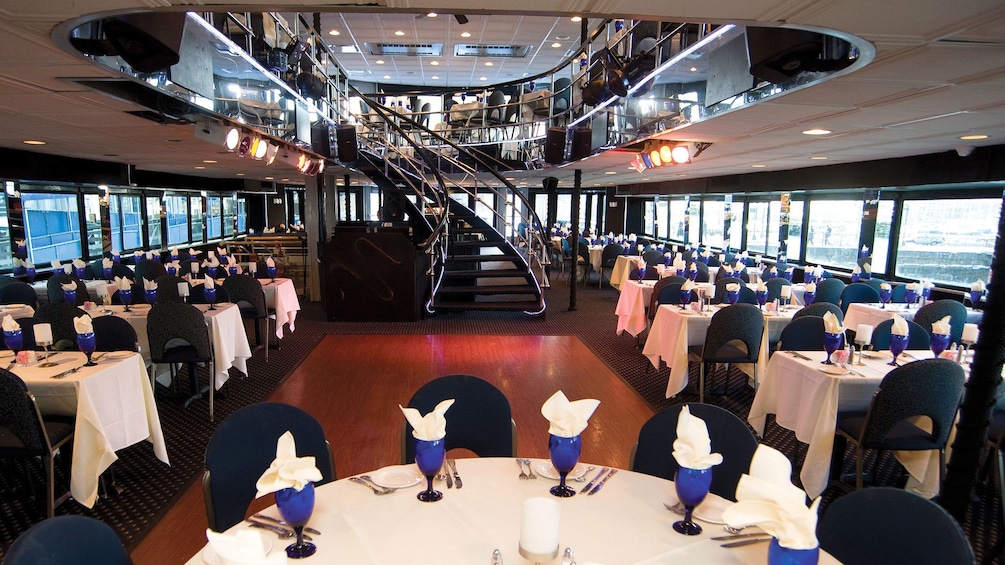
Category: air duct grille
<point>406,49</point>
<point>470,50</point>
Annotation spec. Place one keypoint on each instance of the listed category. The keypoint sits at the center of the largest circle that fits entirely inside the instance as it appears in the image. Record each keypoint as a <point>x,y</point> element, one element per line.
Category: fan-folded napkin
<point>728,269</point>
<point>942,326</point>
<point>82,324</point>
<point>173,251</point>
<point>978,285</point>
<point>9,325</point>
<point>773,272</point>
<point>221,251</point>
<point>212,261</point>
<point>20,242</point>
<point>706,253</point>
<point>899,326</point>
<point>740,266</point>
<point>790,270</point>
<point>856,270</point>
<point>432,426</point>
<point>243,547</point>
<point>149,284</point>
<point>56,265</point>
<point>78,264</point>
<point>122,283</point>
<point>733,287</point>
<point>688,285</point>
<point>818,272</point>
<point>193,252</point>
<point>107,263</point>
<point>209,282</point>
<point>831,323</point>
<point>568,418</point>
<point>270,262</point>
<point>151,255</point>
<point>175,265</point>
<point>766,497</point>
<point>866,267</point>
<point>810,287</point>
<point>885,286</point>
<point>287,470</point>
<point>137,255</point>
<point>761,287</point>
<point>693,449</point>
<point>69,286</point>
<point>679,264</point>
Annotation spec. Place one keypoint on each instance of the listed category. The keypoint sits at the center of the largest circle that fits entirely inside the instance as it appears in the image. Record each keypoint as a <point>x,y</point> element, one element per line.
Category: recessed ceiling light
<point>576,19</point>
<point>694,69</point>
<point>483,78</point>
<point>240,174</point>
<point>817,131</point>
<point>387,77</point>
<point>33,142</point>
<point>208,161</point>
<point>466,34</point>
<point>333,32</point>
<point>973,137</point>
<point>562,37</point>
<point>399,32</point>
<point>645,178</point>
<point>199,167</point>
<point>434,77</point>
<point>818,158</point>
<point>431,15</point>
<point>610,172</point>
<point>380,61</point>
<point>556,45</point>
<point>682,174</point>
<point>434,63</point>
<point>269,178</point>
<point>758,165</point>
<point>285,179</point>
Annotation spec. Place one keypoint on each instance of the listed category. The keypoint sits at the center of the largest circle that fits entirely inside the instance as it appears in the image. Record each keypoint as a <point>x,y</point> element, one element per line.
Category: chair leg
<point>1000,463</point>
<point>49,462</point>
<point>859,464</point>
<point>701,382</point>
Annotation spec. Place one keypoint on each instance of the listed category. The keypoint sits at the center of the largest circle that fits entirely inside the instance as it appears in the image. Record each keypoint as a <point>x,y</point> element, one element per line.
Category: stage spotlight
<point>244,146</point>
<point>260,149</point>
<point>654,155</point>
<point>647,160</point>
<point>272,153</point>
<point>666,154</point>
<point>681,154</point>
<point>233,138</point>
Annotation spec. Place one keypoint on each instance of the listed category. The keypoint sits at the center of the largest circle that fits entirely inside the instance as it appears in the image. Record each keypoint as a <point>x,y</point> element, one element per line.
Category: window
<point>564,213</point>
<point>213,217</point>
<point>881,243</point>
<point>125,221</point>
<point>834,228</point>
<point>795,228</point>
<point>694,229</point>
<point>52,226</point>
<point>649,218</point>
<point>176,208</point>
<point>677,220</point>
<point>195,203</point>
<point>154,222</point>
<point>947,241</point>
<point>712,225</point>
<point>736,225</point>
<point>229,213</point>
<point>483,208</point>
<point>541,207</point>
<point>662,210</point>
<point>374,200</point>
<point>6,252</point>
<point>757,228</point>
<point>242,216</point>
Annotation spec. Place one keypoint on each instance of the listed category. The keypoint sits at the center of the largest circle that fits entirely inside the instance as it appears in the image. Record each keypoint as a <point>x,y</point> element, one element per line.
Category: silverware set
<point>268,518</point>
<point>530,470</point>
<point>367,481</point>
<point>278,527</point>
<point>735,537</point>
<point>66,373</point>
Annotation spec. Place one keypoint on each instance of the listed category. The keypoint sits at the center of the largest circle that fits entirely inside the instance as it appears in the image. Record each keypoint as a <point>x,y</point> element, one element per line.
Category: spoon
<point>370,480</point>
<point>582,478</point>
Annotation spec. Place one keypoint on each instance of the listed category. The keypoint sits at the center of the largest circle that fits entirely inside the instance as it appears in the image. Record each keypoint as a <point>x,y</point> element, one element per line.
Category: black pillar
<point>576,191</point>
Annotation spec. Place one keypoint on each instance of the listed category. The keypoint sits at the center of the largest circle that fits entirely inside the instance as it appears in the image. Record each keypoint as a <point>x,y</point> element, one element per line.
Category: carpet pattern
<point>149,487</point>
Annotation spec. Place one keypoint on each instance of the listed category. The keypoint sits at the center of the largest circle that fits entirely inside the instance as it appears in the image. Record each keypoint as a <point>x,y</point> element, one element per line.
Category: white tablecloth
<point>623,268</point>
<point>16,311</point>
<point>281,296</point>
<point>632,304</point>
<point>806,400</point>
<point>466,111</point>
<point>873,314</point>
<point>114,408</point>
<point>42,290</point>
<point>622,524</point>
<point>674,330</point>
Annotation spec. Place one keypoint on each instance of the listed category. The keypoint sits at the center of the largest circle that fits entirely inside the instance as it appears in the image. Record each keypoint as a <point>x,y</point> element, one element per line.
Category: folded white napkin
<point>176,265</point>
<point>107,263</point>
<point>856,270</point>
<point>209,282</point>
<point>27,264</point>
<point>885,286</point>
<point>211,254</point>
<point>69,286</point>
<point>9,325</point>
<point>432,426</point>
<point>82,324</point>
<point>831,323</point>
<point>78,264</point>
<point>688,285</point>
<point>56,264</point>
<point>739,266</point>
<point>610,235</point>
<point>911,286</point>
<point>568,419</point>
<point>733,287</point>
<point>212,261</point>
<point>927,284</point>
<point>221,251</point>
<point>231,260</point>
<point>818,271</point>
<point>68,268</point>
<point>773,271</point>
<point>899,326</point>
<point>865,250</point>
<point>766,497</point>
<point>640,264</point>
<point>632,237</point>
<point>679,264</point>
<point>270,262</point>
<point>942,326</point>
<point>115,253</point>
<point>694,254</point>
<point>978,285</point>
<point>728,269</point>
<point>722,258</point>
<point>149,284</point>
<point>810,287</point>
<point>790,270</point>
<point>137,255</point>
<point>20,242</point>
<point>243,547</point>
<point>866,268</point>
<point>706,253</point>
<point>173,251</point>
<point>122,283</point>
<point>668,255</point>
<point>761,287</point>
<point>193,252</point>
<point>693,449</point>
<point>287,470</point>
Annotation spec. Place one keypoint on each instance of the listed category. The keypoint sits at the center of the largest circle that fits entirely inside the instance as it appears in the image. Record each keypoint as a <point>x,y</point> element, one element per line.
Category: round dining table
<point>625,522</point>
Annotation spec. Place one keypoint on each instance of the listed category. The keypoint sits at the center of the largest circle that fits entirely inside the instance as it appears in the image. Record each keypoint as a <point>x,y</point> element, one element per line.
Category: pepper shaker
<point>496,558</point>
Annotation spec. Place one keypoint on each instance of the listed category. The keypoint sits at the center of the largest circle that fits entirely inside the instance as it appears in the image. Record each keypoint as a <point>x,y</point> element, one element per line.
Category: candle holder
<point>539,530</point>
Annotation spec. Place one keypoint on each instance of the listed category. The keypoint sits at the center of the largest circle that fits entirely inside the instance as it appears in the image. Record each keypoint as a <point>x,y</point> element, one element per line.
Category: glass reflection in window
<point>52,226</point>
<point>229,213</point>
<point>214,214</point>
<point>947,241</point>
<point>154,222</point>
<point>834,227</point>
<point>198,234</point>
<point>92,215</point>
<point>176,208</point>
<point>715,216</point>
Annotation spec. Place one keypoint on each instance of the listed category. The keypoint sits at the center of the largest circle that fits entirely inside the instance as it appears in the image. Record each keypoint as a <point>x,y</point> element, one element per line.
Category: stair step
<point>484,273</point>
<point>488,289</point>
<point>472,229</point>
<point>481,258</point>
<point>478,243</point>
<point>510,306</point>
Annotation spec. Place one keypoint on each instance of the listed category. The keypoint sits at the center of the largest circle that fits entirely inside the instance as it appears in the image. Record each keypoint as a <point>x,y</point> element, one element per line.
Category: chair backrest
<point>898,293</point>
<point>168,321</point>
<point>747,296</point>
<point>150,270</point>
<point>818,309</point>
<point>112,333</point>
<point>562,94</point>
<point>167,288</point>
<point>28,333</point>
<point>610,254</point>
<point>702,271</point>
<point>653,257</point>
<point>247,292</point>
<point>858,292</point>
<point>496,110</point>
<point>19,292</point>
<point>20,417</point>
<point>242,448</point>
<point>198,295</point>
<point>939,309</point>
<point>917,337</point>
<point>742,322</point>
<point>829,290</point>
<point>54,287</point>
<point>804,334</point>
<point>874,282</point>
<point>68,540</point>
<point>670,294</point>
<point>60,315</point>
<point>657,289</point>
<point>931,387</point>
<point>891,526</point>
<point>775,287</point>
<point>653,454</point>
<point>480,420</point>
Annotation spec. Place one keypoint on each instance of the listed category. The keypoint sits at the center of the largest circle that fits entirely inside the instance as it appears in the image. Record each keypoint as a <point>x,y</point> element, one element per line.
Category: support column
<point>577,190</point>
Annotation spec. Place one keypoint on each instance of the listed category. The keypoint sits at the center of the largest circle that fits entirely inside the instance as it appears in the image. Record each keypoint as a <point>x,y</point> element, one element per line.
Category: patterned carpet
<point>149,488</point>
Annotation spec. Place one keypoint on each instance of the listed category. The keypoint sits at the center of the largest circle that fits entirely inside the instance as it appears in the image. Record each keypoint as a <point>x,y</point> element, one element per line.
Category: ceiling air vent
<point>469,50</point>
<point>406,49</point>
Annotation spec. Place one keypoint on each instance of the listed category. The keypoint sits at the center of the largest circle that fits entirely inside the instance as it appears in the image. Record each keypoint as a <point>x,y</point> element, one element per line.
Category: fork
<point>530,469</point>
<point>523,475</point>
<point>375,490</point>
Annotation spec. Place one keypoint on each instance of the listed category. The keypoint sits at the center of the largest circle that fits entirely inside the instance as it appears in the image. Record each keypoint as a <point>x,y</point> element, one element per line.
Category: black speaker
<point>321,140</point>
<point>554,146</point>
<point>582,143</point>
<point>550,184</point>
<point>345,140</point>
<point>778,54</point>
<point>148,42</point>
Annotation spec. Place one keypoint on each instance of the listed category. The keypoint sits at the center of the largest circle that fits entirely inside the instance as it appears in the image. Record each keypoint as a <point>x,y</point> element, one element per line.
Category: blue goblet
<point>29,272</point>
<point>807,277</point>
<point>564,453</point>
<point>685,298</point>
<point>926,293</point>
<point>117,259</point>
<point>14,340</point>
<point>87,343</point>
<point>832,342</point>
<point>296,507</point>
<point>898,343</point>
<point>272,273</point>
<point>126,296</point>
<point>641,272</point>
<point>809,297</point>
<point>18,270</point>
<point>174,257</point>
<point>22,250</point>
<point>855,277</point>
<point>762,297</point>
<point>691,486</point>
<point>429,456</point>
<point>778,555</point>
<point>732,296</point>
<point>79,271</point>
<point>232,269</point>
<point>70,296</point>
<point>939,343</point>
<point>150,296</point>
<point>211,272</point>
<point>222,257</point>
<point>884,296</point>
<point>668,261</point>
<point>107,273</point>
<point>210,295</point>
<point>787,275</point>
<point>172,271</point>
<point>910,296</point>
<point>975,297</point>
<point>692,274</point>
<point>680,272</point>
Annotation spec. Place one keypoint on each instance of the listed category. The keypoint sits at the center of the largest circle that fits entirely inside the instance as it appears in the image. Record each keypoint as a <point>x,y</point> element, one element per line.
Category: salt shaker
<point>496,558</point>
<point>568,558</point>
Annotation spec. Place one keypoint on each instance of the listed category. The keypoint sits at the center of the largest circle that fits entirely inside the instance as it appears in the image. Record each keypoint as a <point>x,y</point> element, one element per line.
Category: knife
<point>745,542</point>
<point>733,537</point>
<point>65,373</point>
<point>601,483</point>
<point>453,467</point>
<point>446,476</point>
<point>286,533</point>
<point>281,523</point>
<point>589,485</point>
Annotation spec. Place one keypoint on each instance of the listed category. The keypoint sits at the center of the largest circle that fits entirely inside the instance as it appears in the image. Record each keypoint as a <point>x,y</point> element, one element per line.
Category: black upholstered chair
<point>242,448</point>
<point>747,296</point>
<point>917,337</point>
<point>167,288</point>
<point>858,292</point>
<point>60,315</point>
<point>818,309</point>
<point>19,292</point>
<point>803,334</point>
<point>891,526</point>
<point>653,257</point>
<point>112,333</point>
<point>935,311</point>
<point>875,282</point>
<point>584,260</point>
<point>932,388</point>
<point>829,290</point>
<point>653,453</point>
<point>149,270</point>
<point>25,434</point>
<point>177,334</point>
<point>775,287</point>
<point>198,295</point>
<point>97,270</point>
<point>739,322</point>
<point>702,271</point>
<point>54,288</point>
<point>480,419</point>
<point>608,258</point>
<point>68,540</point>
<point>249,296</point>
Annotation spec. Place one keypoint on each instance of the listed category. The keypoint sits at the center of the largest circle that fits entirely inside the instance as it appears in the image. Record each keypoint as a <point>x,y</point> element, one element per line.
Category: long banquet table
<point>623,523</point>
<point>632,304</point>
<point>874,314</point>
<point>114,408</point>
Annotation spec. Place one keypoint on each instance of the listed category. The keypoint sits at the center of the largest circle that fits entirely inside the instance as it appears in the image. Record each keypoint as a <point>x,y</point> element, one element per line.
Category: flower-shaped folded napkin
<point>149,284</point>
<point>107,263</point>
<point>270,262</point>
<point>192,252</point>
<point>568,419</point>
<point>122,283</point>
<point>151,255</point>
<point>942,326</point>
<point>899,326</point>
<point>818,272</point>
<point>693,449</point>
<point>733,287</point>
<point>56,265</point>
<point>287,470</point>
<point>211,261</point>
<point>432,426</point>
<point>221,251</point>
<point>243,547</point>
<point>688,285</point>
<point>137,255</point>
<point>679,264</point>
<point>856,270</point>
<point>9,325</point>
<point>209,282</point>
<point>82,324</point>
<point>810,287</point>
<point>831,323</point>
<point>977,285</point>
<point>766,497</point>
<point>69,286</point>
<point>79,264</point>
<point>728,269</point>
<point>761,287</point>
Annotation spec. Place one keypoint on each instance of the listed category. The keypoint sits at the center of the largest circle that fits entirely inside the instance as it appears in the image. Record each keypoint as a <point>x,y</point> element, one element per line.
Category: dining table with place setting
<point>873,314</point>
<point>632,304</point>
<point>281,296</point>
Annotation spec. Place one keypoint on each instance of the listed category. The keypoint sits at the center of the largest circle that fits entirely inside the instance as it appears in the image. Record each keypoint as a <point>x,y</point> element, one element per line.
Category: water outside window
<point>213,217</point>
<point>694,230</point>
<point>948,241</point>
<point>677,220</point>
<point>198,234</point>
<point>649,218</point>
<point>662,211</point>
<point>229,211</point>
<point>714,218</point>
<point>881,244</point>
<point>153,222</point>
<point>242,216</point>
<point>736,225</point>
<point>52,227</point>
<point>795,228</point>
<point>757,227</point>
<point>176,208</point>
<point>833,232</point>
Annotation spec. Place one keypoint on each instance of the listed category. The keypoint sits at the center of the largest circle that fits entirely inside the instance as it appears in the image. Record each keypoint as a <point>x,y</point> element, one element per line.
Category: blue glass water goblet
<point>732,296</point>
<point>296,508</point>
<point>87,343</point>
<point>910,296</point>
<point>975,297</point>
<point>855,277</point>
<point>127,297</point>
<point>564,453</point>
<point>778,555</point>
<point>762,297</point>
<point>211,272</point>
<point>174,257</point>
<point>807,277</point>
<point>210,295</point>
<point>30,273</point>
<point>680,272</point>
<point>692,487</point>
<point>884,296</point>
<point>79,271</point>
<point>117,259</point>
<point>223,258</point>
<point>107,273</point>
<point>232,269</point>
<point>809,297</point>
<point>18,271</point>
<point>14,340</point>
<point>172,271</point>
<point>272,273</point>
<point>429,456</point>
<point>70,296</point>
<point>150,296</point>
<point>22,250</point>
<point>939,343</point>
<point>692,275</point>
<point>832,342</point>
<point>685,298</point>
<point>787,275</point>
<point>641,271</point>
<point>898,343</point>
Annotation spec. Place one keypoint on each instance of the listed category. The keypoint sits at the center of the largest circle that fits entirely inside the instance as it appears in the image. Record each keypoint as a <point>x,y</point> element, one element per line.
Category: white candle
<point>863,334</point>
<point>183,289</point>
<point>970,333</point>
<point>540,526</point>
<point>722,258</point>
<point>102,290</point>
<point>252,267</point>
<point>43,334</point>
<point>68,268</point>
<point>195,266</point>
<point>785,291</point>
